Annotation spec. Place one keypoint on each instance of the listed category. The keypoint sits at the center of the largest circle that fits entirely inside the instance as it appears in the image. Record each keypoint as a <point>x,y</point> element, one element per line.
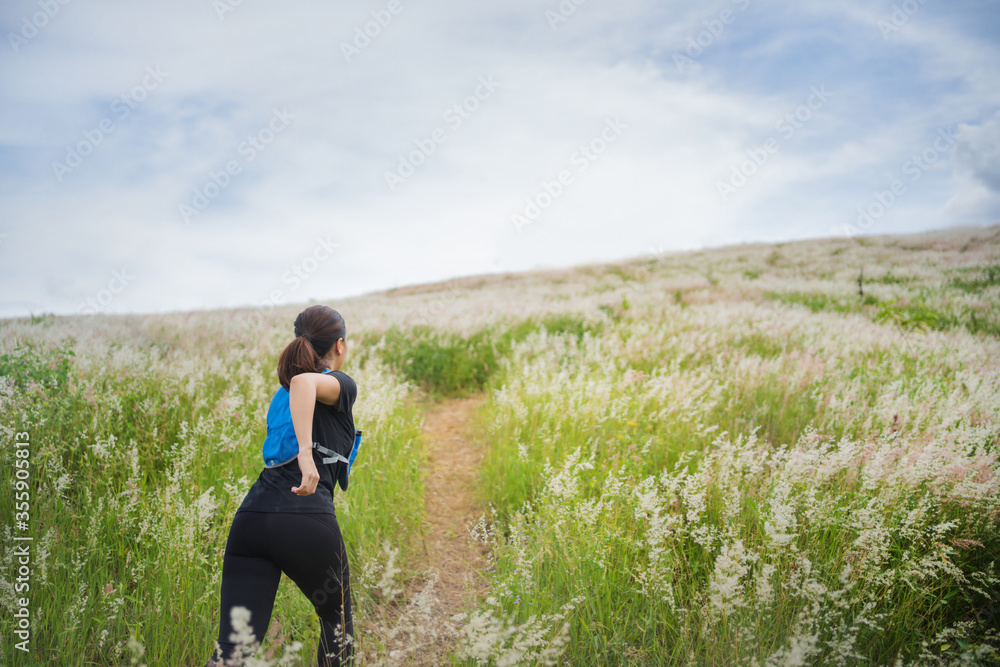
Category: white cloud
<point>654,186</point>
<point>977,172</point>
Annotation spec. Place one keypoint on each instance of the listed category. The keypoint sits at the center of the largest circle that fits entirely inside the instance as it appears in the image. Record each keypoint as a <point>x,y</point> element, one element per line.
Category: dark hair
<point>317,329</point>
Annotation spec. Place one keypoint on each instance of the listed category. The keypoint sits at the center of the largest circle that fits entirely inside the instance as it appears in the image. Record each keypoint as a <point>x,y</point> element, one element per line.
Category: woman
<point>286,522</point>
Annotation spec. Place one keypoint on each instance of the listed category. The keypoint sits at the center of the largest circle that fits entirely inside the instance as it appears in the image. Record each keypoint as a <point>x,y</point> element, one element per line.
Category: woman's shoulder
<point>347,385</point>
<point>339,374</point>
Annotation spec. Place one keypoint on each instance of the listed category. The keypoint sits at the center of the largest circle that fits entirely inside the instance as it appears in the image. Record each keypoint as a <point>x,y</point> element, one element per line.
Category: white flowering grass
<point>140,454</point>
<point>718,457</point>
<point>750,483</point>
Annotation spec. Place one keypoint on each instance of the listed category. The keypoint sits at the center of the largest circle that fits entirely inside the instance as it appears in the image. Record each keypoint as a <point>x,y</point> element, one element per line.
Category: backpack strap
<point>331,456</point>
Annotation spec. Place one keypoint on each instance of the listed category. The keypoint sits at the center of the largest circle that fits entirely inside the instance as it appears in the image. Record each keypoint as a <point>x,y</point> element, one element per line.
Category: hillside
<point>757,454</point>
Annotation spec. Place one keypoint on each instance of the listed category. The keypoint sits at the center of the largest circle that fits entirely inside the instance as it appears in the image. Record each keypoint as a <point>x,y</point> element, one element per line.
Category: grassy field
<point>755,455</point>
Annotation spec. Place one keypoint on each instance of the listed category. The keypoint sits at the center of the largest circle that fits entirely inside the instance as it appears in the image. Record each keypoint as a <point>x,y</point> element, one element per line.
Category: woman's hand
<point>310,476</point>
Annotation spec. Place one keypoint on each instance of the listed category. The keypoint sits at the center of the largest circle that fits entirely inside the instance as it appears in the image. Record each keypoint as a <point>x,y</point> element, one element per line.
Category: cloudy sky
<point>191,154</point>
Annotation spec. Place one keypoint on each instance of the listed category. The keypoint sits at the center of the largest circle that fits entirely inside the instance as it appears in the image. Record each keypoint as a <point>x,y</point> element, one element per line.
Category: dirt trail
<point>449,500</point>
<point>451,468</point>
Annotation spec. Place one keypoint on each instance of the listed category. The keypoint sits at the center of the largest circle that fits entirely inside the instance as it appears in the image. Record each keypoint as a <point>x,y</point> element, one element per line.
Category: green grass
<point>976,279</point>
<point>129,519</point>
<point>629,448</point>
<point>943,314</point>
<point>447,365</point>
<point>577,547</point>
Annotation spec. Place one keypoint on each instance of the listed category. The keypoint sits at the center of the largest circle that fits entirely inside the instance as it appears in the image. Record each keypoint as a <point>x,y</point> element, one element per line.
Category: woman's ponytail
<point>317,329</point>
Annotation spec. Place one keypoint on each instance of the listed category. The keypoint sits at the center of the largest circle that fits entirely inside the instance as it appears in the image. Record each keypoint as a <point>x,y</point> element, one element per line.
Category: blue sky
<point>164,156</point>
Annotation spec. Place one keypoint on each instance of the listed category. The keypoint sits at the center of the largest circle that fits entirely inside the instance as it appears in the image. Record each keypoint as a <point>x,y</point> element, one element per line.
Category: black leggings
<point>306,547</point>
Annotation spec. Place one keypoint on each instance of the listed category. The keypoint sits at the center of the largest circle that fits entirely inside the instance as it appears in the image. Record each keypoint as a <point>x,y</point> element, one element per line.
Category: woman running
<point>286,522</point>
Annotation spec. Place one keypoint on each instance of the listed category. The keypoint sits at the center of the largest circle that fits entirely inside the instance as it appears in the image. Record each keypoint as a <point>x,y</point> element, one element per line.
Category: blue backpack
<point>281,446</point>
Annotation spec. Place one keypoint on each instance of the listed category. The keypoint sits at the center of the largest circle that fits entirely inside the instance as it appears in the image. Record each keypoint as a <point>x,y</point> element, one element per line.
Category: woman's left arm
<point>302,396</point>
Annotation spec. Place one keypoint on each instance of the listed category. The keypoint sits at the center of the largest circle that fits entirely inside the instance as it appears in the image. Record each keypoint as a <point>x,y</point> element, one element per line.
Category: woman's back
<point>333,428</point>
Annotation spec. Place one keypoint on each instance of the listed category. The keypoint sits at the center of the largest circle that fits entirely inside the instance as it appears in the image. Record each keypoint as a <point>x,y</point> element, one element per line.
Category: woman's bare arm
<point>304,390</point>
<point>319,387</point>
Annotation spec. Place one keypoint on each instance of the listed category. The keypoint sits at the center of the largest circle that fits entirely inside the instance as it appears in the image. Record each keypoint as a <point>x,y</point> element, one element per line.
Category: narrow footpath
<point>451,473</point>
<point>452,469</point>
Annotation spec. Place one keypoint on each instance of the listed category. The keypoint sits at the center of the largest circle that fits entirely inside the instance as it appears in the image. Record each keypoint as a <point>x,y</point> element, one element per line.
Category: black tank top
<point>333,427</point>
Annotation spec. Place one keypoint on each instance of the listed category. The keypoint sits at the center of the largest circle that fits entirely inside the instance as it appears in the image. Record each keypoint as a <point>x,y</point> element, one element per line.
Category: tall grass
<point>728,457</point>
<point>447,364</point>
<point>745,485</point>
<point>139,458</point>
